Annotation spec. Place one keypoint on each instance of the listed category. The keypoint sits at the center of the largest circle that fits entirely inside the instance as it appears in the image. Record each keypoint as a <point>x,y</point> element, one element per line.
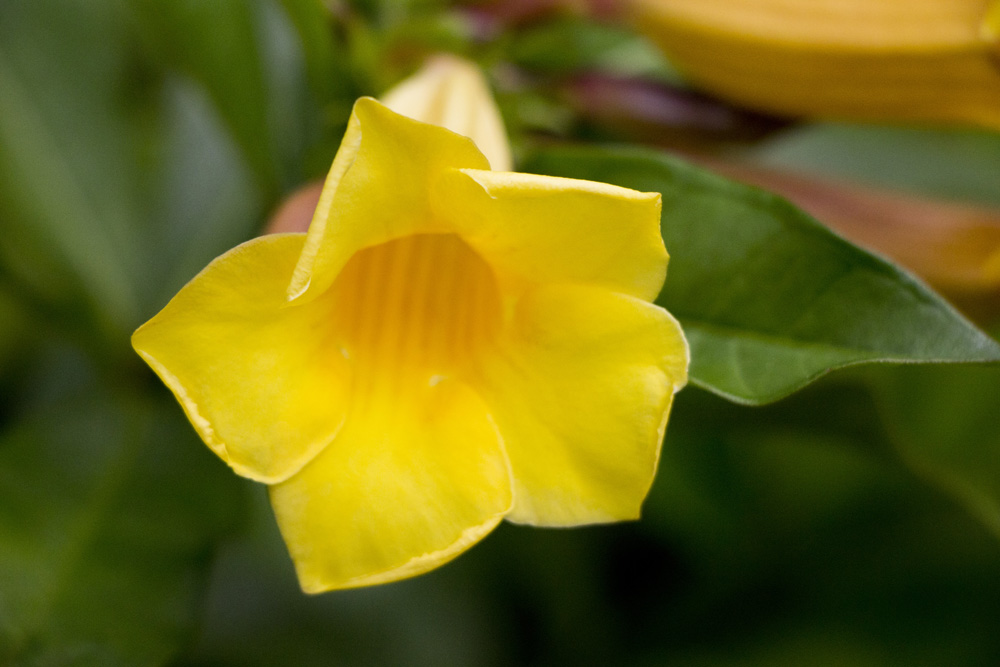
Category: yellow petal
<point>581,389</point>
<point>452,92</point>
<point>535,229</point>
<point>377,190</point>
<point>257,379</point>
<point>404,488</point>
<point>918,60</point>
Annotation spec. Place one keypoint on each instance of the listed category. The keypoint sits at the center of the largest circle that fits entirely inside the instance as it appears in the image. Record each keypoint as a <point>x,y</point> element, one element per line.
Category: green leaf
<point>215,44</point>
<point>770,299</point>
<point>943,421</point>
<point>325,61</point>
<point>248,58</point>
<point>69,165</point>
<point>110,512</point>
<point>205,199</point>
<point>576,45</point>
<point>945,163</point>
<point>799,519</point>
<point>15,331</point>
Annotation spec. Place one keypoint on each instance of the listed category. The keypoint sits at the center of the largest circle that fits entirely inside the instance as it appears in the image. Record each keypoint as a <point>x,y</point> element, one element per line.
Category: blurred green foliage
<point>106,528</point>
<point>852,523</point>
<point>951,164</point>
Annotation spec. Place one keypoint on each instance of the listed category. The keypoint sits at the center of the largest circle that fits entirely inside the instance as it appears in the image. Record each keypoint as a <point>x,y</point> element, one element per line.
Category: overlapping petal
<point>405,487</point>
<point>382,175</point>
<point>540,229</point>
<point>581,388</point>
<point>446,346</point>
<point>258,380</point>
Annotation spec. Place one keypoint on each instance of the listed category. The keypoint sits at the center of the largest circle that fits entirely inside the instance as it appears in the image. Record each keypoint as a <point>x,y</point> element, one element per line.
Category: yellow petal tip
<point>314,583</point>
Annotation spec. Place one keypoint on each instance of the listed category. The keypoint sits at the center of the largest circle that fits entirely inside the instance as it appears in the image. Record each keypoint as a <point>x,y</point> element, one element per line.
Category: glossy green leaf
<point>109,516</point>
<point>769,298</point>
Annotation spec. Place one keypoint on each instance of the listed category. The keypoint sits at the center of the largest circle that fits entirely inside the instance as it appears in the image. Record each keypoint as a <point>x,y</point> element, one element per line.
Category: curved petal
<point>539,229</point>
<point>377,190</point>
<point>402,490</point>
<point>255,376</point>
<point>581,390</point>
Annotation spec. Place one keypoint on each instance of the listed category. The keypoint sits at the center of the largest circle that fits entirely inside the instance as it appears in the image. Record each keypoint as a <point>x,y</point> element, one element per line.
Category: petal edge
<point>223,331</point>
<point>402,490</point>
<point>545,229</point>
<point>581,390</point>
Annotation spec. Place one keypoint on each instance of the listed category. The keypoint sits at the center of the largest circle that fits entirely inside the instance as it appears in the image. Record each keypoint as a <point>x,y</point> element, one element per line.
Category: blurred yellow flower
<point>446,347</point>
<point>895,60</point>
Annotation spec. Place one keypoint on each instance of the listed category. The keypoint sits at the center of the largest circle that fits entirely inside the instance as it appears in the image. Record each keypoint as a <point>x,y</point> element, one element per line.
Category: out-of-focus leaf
<point>325,63</point>
<point>809,544</point>
<point>769,298</point>
<point>955,247</point>
<point>949,164</point>
<point>205,199</point>
<point>68,159</point>
<point>392,12</point>
<point>331,81</point>
<point>704,478</point>
<point>295,118</point>
<point>14,330</point>
<point>215,43</point>
<point>240,52</point>
<point>121,177</point>
<point>394,43</point>
<point>945,422</point>
<point>109,516</point>
<point>573,45</point>
<point>257,616</point>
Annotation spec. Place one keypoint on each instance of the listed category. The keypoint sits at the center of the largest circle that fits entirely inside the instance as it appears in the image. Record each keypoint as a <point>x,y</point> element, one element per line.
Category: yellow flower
<point>447,347</point>
<point>912,60</point>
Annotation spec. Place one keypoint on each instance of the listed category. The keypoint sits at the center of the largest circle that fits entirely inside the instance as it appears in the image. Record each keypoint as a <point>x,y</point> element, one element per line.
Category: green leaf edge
<point>695,177</point>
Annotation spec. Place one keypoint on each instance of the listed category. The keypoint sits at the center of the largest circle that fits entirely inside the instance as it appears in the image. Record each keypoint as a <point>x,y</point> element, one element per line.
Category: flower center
<point>420,308</point>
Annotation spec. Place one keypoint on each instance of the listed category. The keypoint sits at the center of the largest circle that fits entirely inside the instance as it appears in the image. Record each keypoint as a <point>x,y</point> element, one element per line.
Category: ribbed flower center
<point>414,310</point>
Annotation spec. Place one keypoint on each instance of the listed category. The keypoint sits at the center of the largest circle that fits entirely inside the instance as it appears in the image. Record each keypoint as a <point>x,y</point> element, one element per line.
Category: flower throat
<point>416,309</point>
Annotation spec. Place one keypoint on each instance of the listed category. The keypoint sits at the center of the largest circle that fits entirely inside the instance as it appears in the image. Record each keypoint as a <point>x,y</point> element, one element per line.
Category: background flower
<point>849,59</point>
